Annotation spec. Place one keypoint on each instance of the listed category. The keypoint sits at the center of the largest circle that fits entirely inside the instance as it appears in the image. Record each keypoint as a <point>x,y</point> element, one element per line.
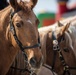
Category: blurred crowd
<point>63,8</point>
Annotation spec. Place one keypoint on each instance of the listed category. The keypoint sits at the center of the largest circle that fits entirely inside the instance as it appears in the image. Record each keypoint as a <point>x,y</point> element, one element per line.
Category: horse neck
<point>4,18</point>
<point>7,52</point>
<point>4,21</point>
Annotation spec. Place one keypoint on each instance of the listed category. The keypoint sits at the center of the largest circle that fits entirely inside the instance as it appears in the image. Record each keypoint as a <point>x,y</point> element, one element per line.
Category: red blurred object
<point>62,8</point>
<point>47,22</point>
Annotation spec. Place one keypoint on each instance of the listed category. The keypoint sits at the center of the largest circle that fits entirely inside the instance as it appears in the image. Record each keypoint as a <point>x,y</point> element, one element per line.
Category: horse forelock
<point>4,17</point>
<point>25,6</point>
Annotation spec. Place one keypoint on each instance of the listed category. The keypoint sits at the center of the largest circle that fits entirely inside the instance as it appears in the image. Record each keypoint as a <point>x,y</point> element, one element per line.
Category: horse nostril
<point>33,62</point>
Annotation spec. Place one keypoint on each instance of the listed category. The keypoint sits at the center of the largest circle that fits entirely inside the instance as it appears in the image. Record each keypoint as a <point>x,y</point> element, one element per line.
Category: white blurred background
<point>48,5</point>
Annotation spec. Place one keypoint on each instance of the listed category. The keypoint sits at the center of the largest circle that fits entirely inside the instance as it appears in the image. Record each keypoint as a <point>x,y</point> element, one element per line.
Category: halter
<point>56,49</point>
<point>22,48</point>
<point>12,28</point>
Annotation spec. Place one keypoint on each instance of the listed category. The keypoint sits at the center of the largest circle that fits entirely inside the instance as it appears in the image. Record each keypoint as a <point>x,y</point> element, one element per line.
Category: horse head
<point>61,49</point>
<point>22,31</point>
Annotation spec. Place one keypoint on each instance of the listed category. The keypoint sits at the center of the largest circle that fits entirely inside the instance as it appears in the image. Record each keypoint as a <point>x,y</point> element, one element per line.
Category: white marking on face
<point>23,1</point>
<point>26,0</point>
<point>29,21</point>
<point>31,54</point>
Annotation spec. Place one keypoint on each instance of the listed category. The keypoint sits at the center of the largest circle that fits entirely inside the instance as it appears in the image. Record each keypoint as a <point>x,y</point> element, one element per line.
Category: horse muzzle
<point>36,64</point>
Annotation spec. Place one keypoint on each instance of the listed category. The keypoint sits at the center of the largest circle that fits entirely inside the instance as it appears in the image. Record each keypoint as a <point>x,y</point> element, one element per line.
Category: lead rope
<point>66,67</point>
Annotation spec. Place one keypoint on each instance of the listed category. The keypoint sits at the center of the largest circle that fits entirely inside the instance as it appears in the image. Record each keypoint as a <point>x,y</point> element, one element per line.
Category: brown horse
<point>58,46</point>
<point>18,31</point>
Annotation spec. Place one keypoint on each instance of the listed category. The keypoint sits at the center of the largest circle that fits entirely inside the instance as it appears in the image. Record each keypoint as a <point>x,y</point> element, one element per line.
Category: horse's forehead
<point>23,1</point>
<point>24,13</point>
<point>24,16</point>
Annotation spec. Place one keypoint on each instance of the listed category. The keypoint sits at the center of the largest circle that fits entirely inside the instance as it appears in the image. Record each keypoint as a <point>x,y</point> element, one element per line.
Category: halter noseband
<point>22,48</point>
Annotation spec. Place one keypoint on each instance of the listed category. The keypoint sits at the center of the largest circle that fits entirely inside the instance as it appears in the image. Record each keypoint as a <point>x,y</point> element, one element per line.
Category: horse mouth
<point>34,70</point>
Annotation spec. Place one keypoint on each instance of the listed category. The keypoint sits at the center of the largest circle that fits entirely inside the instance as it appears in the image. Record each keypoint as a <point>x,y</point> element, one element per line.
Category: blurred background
<point>50,11</point>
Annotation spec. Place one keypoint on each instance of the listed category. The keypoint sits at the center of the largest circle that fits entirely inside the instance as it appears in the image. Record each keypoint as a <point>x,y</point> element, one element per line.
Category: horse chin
<point>35,71</point>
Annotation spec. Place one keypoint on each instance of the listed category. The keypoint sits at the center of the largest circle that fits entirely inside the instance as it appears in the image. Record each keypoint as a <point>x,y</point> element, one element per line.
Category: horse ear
<point>59,24</point>
<point>13,3</point>
<point>34,3</point>
<point>65,28</point>
<point>30,4</point>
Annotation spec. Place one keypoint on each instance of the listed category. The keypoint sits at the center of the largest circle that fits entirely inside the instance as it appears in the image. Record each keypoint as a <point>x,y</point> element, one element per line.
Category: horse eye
<point>18,24</point>
<point>66,49</point>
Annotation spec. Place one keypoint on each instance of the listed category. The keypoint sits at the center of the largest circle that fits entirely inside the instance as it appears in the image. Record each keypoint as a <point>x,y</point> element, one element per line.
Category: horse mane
<point>25,7</point>
<point>4,17</point>
<point>47,28</point>
<point>53,26</point>
<point>5,9</point>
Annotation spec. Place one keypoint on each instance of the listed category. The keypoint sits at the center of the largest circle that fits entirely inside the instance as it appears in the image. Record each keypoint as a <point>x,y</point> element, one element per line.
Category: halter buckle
<point>66,68</point>
<point>55,45</point>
